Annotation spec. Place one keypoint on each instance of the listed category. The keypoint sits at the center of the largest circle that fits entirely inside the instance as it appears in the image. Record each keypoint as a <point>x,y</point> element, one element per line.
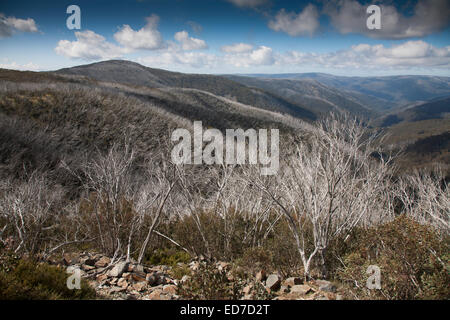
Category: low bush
<point>180,270</point>
<point>209,283</point>
<point>167,256</point>
<point>25,279</point>
<point>413,260</point>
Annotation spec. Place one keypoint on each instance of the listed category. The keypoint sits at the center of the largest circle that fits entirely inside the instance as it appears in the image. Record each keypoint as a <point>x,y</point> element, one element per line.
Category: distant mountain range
<point>130,73</point>
<point>88,106</point>
<point>379,93</point>
<point>314,95</point>
<point>304,95</point>
<point>435,109</point>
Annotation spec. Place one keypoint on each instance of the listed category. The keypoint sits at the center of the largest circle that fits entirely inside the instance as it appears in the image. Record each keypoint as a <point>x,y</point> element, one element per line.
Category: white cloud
<point>189,43</point>
<point>261,56</point>
<point>349,16</point>
<point>169,59</point>
<point>9,25</point>
<point>237,48</point>
<point>248,3</point>
<point>92,46</point>
<point>305,22</point>
<point>147,37</point>
<point>16,66</point>
<point>89,46</point>
<point>410,54</point>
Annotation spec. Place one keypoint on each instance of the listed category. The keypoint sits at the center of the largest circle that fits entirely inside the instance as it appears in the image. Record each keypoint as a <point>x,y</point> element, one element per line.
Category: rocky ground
<point>131,281</point>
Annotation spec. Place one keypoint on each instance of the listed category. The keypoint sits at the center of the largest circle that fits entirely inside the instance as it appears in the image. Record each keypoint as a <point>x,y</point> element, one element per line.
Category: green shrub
<point>167,256</point>
<point>259,292</point>
<point>209,283</point>
<point>180,270</point>
<point>275,252</point>
<point>255,259</point>
<point>24,279</point>
<point>285,256</point>
<point>413,260</point>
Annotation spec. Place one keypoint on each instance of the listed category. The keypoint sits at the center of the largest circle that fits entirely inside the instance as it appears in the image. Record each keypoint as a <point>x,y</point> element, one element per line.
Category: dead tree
<point>328,186</point>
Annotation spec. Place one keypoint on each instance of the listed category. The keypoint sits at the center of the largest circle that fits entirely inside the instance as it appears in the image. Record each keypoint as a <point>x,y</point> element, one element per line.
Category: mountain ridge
<point>385,92</point>
<point>131,73</point>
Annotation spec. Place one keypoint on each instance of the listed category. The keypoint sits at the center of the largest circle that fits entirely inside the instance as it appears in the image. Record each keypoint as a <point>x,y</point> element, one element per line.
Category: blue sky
<point>231,36</point>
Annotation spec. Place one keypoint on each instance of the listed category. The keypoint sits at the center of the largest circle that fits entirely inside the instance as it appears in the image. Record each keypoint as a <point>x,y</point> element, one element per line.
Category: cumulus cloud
<point>261,56</point>
<point>189,43</point>
<point>17,66</point>
<point>237,48</point>
<point>92,46</point>
<point>89,46</point>
<point>305,22</point>
<point>248,3</point>
<point>349,16</point>
<point>147,37</point>
<point>180,58</point>
<point>404,56</point>
<point>10,25</point>
<point>415,54</point>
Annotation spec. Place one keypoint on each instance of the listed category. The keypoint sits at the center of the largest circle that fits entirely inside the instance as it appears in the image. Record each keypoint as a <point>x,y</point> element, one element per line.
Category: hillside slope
<point>381,93</point>
<point>131,73</point>
<point>44,119</point>
<point>435,109</point>
<point>316,96</point>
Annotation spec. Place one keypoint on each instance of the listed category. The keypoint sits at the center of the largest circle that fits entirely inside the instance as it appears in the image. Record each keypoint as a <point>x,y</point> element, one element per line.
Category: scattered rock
<point>139,276</point>
<point>155,295</point>
<point>151,279</point>
<point>129,280</point>
<point>170,289</point>
<point>118,269</point>
<point>273,282</point>
<point>101,277</point>
<point>292,281</point>
<point>117,289</point>
<point>284,289</point>
<point>161,279</point>
<point>102,262</point>
<point>126,275</point>
<point>139,286</point>
<point>326,286</point>
<point>138,268</point>
<point>301,289</point>
<point>122,282</point>
<point>86,267</point>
